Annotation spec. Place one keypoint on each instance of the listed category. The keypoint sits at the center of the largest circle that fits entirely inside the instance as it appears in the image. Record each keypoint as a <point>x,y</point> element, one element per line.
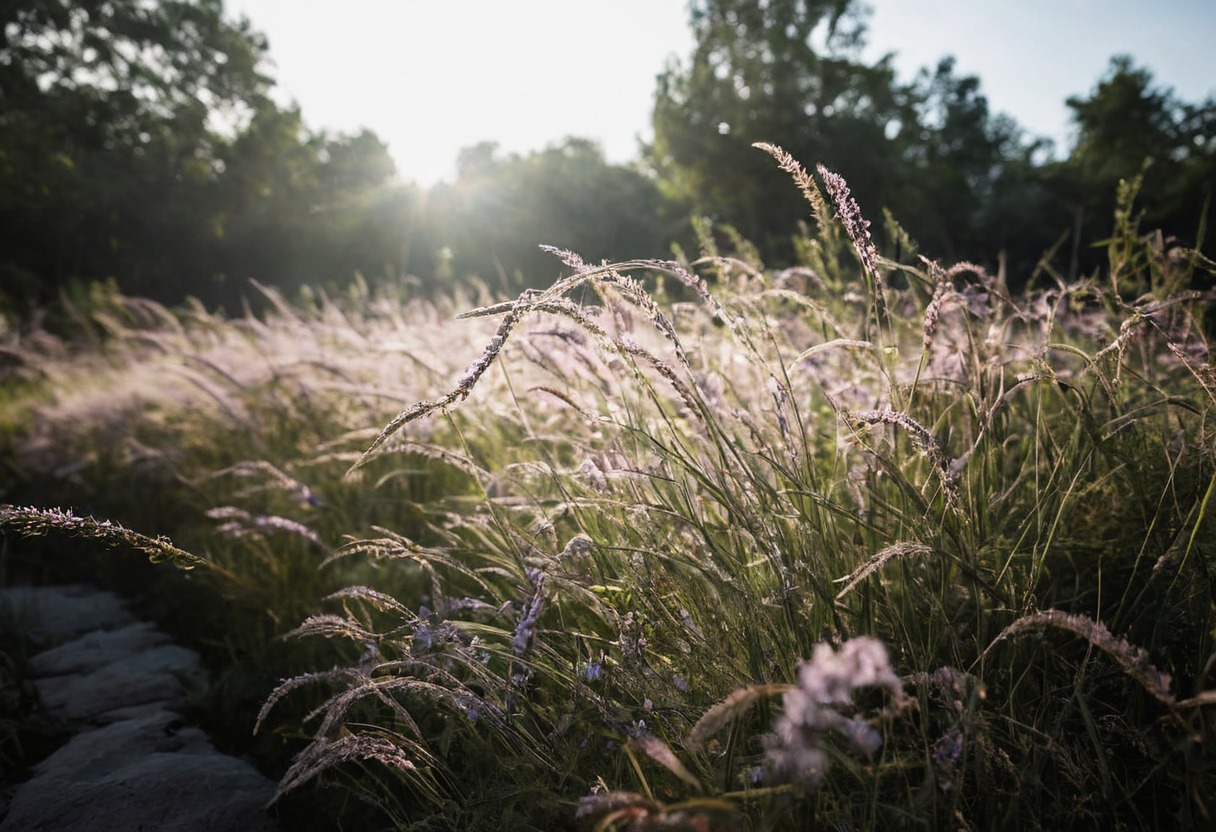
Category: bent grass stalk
<point>39,522</point>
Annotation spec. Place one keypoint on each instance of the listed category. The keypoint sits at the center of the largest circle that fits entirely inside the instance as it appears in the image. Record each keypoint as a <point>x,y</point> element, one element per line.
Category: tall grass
<point>216,432</point>
<point>899,452</point>
<point>861,543</point>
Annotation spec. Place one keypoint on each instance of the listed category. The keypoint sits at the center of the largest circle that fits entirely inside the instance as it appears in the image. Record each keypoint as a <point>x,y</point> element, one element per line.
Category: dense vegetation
<point>832,545</point>
<point>140,143</point>
<point>795,525</point>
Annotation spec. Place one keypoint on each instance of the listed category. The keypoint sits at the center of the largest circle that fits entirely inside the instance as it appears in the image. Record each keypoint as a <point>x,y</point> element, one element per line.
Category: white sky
<point>433,76</point>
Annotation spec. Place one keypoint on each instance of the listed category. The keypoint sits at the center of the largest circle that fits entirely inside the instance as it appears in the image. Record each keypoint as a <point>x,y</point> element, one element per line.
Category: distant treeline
<point>139,143</point>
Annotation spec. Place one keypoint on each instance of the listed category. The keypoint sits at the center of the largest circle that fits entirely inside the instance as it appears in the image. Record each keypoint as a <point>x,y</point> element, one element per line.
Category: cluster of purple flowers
<point>814,708</point>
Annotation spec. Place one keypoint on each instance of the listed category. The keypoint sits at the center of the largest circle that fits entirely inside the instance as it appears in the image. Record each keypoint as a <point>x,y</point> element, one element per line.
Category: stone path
<point>133,762</point>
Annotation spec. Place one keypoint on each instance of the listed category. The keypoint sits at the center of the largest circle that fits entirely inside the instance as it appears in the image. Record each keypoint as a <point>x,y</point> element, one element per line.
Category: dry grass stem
<point>892,552</point>
<point>1132,659</point>
<point>728,710</point>
<point>38,522</point>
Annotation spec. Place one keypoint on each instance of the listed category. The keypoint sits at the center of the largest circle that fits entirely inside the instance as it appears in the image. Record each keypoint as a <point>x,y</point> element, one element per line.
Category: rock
<point>55,614</point>
<point>150,773</point>
<point>92,651</point>
<point>125,672</point>
<point>133,763</point>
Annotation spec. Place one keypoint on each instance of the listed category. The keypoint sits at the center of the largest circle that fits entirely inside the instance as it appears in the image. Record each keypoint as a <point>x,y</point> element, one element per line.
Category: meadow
<point>864,543</point>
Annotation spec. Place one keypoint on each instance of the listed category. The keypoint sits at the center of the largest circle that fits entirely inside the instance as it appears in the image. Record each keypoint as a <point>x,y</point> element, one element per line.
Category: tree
<point>138,141</point>
<point>786,72</point>
<point>966,184</point>
<point>1125,123</point>
<point>106,149</point>
<point>957,161</point>
<point>309,209</point>
<point>491,220</point>
<point>789,72</point>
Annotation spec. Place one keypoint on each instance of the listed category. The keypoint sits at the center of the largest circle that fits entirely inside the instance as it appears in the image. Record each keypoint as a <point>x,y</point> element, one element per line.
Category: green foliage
<point>303,209</point>
<point>105,144</point>
<point>790,72</point>
<point>491,220</point>
<point>1127,124</point>
<point>967,184</point>
<point>138,142</point>
<point>607,557</point>
<point>786,72</point>
<point>651,562</point>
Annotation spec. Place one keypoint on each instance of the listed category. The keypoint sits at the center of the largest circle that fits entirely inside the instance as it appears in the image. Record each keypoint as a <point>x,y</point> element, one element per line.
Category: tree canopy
<point>491,220</point>
<point>1126,124</point>
<point>109,155</point>
<point>966,183</point>
<point>140,143</point>
<point>786,72</point>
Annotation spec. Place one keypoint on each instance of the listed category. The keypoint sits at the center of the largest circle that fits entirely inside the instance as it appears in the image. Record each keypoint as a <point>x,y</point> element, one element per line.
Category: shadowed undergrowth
<point>860,543</point>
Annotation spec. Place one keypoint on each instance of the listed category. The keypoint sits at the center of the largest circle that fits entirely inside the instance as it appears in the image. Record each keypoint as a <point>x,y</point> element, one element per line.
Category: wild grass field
<point>860,544</point>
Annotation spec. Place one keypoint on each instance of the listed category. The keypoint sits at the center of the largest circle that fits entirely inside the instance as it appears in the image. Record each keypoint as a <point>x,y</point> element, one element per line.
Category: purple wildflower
<point>948,749</point>
<point>812,709</point>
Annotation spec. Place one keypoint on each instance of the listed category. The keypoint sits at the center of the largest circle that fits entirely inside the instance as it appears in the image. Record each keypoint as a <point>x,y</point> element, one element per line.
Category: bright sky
<point>433,77</point>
